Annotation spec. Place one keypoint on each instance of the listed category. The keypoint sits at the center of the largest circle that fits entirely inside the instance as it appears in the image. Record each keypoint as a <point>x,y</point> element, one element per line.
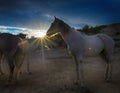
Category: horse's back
<point>8,42</point>
<point>107,39</point>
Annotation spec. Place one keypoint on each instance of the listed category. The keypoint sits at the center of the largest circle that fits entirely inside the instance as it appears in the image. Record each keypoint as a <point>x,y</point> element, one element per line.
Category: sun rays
<point>42,43</point>
<point>40,34</point>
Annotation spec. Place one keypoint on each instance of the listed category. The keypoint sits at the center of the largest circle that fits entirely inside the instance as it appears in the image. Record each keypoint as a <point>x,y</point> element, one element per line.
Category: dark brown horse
<point>23,48</point>
<point>10,49</point>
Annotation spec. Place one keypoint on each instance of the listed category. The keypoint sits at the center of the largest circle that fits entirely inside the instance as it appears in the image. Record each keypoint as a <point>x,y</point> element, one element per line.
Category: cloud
<point>17,30</point>
<point>48,16</point>
<point>13,30</point>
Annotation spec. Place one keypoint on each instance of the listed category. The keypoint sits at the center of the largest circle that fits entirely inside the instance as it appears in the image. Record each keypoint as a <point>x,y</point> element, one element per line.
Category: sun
<point>40,34</point>
<point>37,33</point>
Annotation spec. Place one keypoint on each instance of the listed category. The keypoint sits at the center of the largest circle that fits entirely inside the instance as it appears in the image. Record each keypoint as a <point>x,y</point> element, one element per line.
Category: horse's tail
<point>107,39</point>
<point>109,44</point>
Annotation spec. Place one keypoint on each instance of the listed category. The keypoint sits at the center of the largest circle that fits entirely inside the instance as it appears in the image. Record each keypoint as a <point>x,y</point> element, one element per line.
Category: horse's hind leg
<point>108,74</point>
<point>11,65</point>
<point>19,57</point>
<point>108,55</point>
<point>109,46</point>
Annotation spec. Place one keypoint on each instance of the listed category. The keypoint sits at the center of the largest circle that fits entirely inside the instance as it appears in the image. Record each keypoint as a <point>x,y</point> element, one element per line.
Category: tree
<point>92,30</point>
<point>21,35</point>
<point>85,28</point>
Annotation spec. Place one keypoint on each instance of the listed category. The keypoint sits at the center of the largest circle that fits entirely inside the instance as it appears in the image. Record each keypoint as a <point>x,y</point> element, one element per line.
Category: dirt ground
<point>53,71</point>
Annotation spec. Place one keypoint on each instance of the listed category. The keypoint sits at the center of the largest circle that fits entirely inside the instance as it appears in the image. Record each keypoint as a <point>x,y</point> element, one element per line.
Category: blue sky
<point>36,15</point>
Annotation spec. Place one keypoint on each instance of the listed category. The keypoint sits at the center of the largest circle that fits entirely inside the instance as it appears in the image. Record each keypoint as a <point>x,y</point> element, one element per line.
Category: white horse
<point>82,45</point>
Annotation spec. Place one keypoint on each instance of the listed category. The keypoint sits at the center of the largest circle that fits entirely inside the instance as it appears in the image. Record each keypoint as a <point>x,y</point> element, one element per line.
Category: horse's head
<point>58,26</point>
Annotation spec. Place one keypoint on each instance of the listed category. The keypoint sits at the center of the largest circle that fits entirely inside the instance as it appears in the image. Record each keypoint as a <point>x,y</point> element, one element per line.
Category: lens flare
<point>40,34</point>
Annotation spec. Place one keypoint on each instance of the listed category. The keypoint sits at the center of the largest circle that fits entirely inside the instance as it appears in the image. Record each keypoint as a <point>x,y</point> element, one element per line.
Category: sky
<point>33,16</point>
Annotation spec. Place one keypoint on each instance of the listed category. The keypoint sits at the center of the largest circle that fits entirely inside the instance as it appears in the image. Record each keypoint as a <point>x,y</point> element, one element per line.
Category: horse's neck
<point>65,30</point>
<point>71,31</point>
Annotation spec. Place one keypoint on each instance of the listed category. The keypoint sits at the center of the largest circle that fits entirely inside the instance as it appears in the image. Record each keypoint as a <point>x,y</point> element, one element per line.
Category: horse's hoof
<point>1,73</point>
<point>75,86</point>
<point>65,87</point>
<point>85,90</point>
<point>76,83</point>
<point>6,85</point>
<point>20,73</point>
<point>29,73</point>
<point>108,81</point>
<point>9,83</point>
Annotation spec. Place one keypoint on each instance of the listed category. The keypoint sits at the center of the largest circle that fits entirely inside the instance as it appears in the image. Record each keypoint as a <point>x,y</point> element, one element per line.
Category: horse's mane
<point>67,28</point>
<point>64,26</point>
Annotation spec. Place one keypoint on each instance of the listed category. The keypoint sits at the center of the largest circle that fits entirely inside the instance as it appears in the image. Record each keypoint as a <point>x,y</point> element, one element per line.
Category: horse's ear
<point>55,17</point>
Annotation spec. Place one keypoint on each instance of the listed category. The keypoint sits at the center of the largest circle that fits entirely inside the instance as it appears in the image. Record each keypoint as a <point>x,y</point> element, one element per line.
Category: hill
<point>114,31</point>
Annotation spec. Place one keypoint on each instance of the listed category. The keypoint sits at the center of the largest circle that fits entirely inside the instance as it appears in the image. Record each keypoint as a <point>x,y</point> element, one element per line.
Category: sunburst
<point>40,34</point>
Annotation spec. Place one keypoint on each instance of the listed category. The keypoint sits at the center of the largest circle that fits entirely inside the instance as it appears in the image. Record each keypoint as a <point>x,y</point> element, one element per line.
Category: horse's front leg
<point>79,71</point>
<point>18,63</point>
<point>1,58</point>
<point>28,63</point>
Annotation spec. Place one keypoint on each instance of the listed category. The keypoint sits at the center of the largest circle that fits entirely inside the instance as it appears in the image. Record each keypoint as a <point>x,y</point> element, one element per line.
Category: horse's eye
<point>52,23</point>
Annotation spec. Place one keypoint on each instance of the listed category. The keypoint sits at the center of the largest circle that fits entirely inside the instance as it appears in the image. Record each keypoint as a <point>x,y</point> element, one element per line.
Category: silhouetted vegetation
<point>21,35</point>
<point>92,30</point>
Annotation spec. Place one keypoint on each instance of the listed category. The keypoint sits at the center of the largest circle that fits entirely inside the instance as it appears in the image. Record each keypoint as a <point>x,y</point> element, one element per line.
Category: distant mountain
<point>108,29</point>
<point>114,31</point>
<point>92,30</point>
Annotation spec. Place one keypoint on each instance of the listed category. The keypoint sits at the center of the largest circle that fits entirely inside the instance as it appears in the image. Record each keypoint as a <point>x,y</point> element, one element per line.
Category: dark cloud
<point>33,13</point>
